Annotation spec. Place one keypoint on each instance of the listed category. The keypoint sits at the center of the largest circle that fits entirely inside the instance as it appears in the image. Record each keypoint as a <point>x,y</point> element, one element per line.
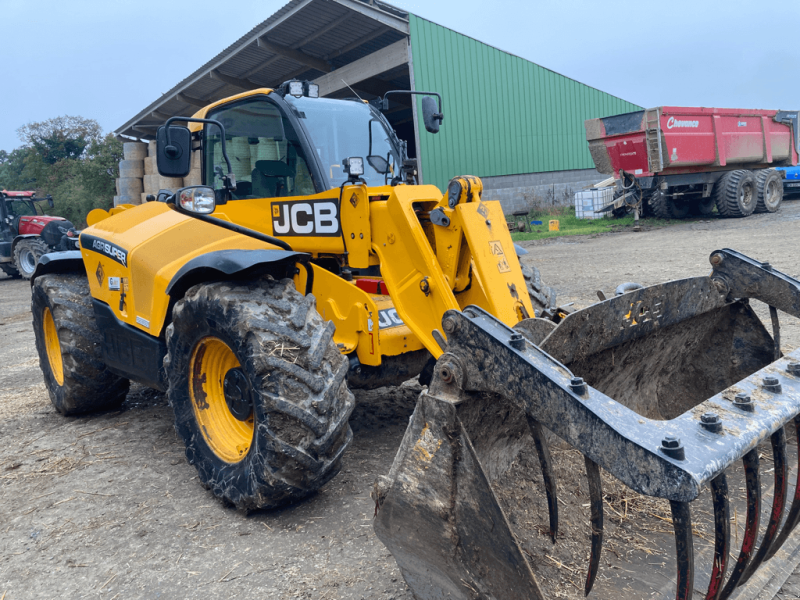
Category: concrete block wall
<point>538,190</point>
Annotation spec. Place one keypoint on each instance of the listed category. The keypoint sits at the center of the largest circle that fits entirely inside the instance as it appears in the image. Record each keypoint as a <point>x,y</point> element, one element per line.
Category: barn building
<point>525,140</point>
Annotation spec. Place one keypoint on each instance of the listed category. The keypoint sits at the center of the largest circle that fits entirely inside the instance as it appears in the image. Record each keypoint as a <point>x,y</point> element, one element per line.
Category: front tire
<point>70,347</point>
<point>258,389</point>
<point>27,254</point>
<point>543,297</point>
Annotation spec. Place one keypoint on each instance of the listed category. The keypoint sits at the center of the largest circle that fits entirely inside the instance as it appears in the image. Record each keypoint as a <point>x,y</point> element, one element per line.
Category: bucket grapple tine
<point>684,548</point>
<point>596,499</point>
<point>543,450</point>
<point>794,512</point>
<point>753,484</point>
<point>722,535</point>
<point>778,440</point>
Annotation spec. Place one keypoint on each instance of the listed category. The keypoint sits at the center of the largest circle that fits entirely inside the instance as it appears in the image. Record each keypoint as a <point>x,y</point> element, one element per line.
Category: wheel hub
<point>237,394</point>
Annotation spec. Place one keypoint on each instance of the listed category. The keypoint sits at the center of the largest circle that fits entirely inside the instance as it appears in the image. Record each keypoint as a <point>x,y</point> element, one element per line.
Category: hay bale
<point>168,183</point>
<point>197,160</point>
<point>116,185</point>
<point>151,148</point>
<point>134,150</point>
<point>131,168</point>
<point>130,186</point>
<point>125,200</point>
<point>144,198</point>
<point>150,165</point>
<point>195,177</point>
<point>150,183</point>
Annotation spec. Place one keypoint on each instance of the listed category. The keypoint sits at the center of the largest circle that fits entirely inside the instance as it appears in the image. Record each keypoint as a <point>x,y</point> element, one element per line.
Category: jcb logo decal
<point>388,318</point>
<point>308,218</point>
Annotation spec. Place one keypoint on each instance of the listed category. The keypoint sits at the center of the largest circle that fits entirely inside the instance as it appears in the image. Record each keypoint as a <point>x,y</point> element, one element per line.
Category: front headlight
<point>198,199</point>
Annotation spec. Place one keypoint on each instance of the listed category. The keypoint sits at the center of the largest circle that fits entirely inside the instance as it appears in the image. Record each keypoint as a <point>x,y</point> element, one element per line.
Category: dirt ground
<point>107,507</point>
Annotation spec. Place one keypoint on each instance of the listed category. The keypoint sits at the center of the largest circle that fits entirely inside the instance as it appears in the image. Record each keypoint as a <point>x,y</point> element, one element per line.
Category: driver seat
<point>269,179</point>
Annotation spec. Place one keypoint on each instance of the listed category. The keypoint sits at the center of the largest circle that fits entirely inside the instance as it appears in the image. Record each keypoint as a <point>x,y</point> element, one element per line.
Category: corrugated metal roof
<point>336,32</point>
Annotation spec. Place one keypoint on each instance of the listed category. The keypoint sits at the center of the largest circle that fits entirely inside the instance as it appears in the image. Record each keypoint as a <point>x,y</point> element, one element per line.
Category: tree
<point>69,158</point>
<point>13,174</point>
<point>61,137</point>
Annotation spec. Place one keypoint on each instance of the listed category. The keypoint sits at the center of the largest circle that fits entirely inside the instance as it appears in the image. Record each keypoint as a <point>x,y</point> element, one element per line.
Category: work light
<point>353,166</point>
<point>296,88</point>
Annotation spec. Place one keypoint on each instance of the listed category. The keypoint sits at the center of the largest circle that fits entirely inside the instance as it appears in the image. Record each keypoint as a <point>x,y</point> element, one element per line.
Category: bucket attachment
<point>663,387</point>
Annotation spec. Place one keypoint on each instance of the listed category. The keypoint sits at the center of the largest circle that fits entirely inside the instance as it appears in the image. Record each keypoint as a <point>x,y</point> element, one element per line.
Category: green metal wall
<point>503,115</point>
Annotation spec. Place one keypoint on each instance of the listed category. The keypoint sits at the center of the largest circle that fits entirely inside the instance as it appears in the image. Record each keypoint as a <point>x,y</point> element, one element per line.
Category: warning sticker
<point>482,210</point>
<point>497,250</point>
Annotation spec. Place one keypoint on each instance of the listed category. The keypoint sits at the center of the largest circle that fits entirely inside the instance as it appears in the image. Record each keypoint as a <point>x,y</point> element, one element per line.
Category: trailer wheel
<point>664,207</point>
<point>735,194</point>
<point>69,346</point>
<point>259,393</point>
<point>702,208</point>
<point>27,253</point>
<point>769,190</point>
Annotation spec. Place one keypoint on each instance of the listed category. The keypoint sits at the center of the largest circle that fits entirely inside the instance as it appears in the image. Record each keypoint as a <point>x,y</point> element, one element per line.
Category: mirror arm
<point>230,180</point>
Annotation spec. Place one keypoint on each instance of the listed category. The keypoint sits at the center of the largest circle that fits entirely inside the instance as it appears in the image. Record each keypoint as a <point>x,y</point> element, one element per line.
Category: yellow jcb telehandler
<point>311,262</point>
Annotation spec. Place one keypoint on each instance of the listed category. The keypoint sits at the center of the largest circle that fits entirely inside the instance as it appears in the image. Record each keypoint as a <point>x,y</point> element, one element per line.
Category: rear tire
<point>543,297</point>
<point>735,194</point>
<point>282,435</point>
<point>70,347</point>
<point>27,254</point>
<point>664,207</point>
<point>9,269</point>
<point>769,190</point>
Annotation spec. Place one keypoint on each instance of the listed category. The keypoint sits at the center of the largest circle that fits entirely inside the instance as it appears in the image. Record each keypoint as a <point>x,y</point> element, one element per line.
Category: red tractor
<point>26,233</point>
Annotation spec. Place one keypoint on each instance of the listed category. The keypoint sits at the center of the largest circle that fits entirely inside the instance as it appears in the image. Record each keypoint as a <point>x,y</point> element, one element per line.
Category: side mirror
<point>174,156</point>
<point>50,202</point>
<point>197,199</point>
<point>430,117</point>
<point>379,163</point>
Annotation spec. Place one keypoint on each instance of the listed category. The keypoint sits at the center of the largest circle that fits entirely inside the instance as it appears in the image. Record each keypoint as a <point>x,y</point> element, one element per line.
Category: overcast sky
<point>107,60</point>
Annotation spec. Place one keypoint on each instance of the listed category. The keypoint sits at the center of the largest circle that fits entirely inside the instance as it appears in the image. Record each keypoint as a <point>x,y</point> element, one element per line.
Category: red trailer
<point>678,161</point>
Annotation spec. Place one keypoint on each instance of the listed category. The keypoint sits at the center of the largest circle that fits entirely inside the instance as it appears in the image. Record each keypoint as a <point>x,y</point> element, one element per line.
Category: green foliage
<point>569,224</point>
<point>69,158</point>
<point>60,138</point>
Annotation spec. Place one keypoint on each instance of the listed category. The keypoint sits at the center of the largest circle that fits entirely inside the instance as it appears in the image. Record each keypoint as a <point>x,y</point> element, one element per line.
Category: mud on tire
<point>293,376</point>
<point>85,385</point>
<point>27,254</point>
<point>769,190</point>
<point>735,194</point>
<point>543,297</point>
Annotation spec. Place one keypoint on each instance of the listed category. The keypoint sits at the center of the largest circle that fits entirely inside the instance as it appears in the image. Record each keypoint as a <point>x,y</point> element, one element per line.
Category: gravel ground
<point>107,507</point>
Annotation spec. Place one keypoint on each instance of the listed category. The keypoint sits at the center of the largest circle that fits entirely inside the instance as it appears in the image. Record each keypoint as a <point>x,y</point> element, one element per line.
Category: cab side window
<point>264,149</point>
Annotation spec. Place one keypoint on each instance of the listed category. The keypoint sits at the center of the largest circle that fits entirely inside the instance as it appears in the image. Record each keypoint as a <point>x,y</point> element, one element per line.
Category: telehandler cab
<point>311,262</point>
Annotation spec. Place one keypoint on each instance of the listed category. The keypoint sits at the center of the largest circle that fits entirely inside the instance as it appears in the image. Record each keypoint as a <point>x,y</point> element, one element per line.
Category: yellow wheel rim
<point>228,437</point>
<point>53,347</point>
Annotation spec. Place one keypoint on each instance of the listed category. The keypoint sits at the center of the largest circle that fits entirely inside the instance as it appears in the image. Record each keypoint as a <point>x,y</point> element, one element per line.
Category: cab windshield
<point>340,129</point>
